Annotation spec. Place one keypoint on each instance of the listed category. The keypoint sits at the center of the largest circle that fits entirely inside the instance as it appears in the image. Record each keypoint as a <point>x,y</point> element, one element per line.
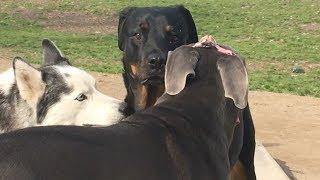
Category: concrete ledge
<point>266,167</point>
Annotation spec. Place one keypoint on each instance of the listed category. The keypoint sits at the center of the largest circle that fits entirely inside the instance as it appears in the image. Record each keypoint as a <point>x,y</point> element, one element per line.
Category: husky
<point>57,93</point>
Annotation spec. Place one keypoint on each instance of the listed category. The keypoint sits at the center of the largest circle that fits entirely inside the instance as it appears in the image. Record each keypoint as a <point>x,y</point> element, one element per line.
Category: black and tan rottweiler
<point>146,34</point>
<point>145,37</point>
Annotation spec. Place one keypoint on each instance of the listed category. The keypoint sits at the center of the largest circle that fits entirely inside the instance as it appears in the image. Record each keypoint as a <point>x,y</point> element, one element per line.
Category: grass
<point>26,38</point>
<point>283,81</point>
<point>264,31</point>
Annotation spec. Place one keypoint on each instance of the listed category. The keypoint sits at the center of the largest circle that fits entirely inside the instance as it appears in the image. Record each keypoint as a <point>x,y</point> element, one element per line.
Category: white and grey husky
<point>55,94</point>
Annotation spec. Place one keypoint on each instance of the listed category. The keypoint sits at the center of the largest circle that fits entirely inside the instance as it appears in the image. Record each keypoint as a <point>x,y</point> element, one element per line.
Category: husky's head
<point>61,94</point>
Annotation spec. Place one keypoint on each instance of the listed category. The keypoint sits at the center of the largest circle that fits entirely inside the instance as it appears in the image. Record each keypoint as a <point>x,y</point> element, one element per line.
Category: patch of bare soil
<point>29,1</point>
<point>287,125</point>
<point>80,22</point>
<point>110,84</point>
<point>27,13</point>
<point>71,21</point>
<point>311,26</point>
<point>257,65</point>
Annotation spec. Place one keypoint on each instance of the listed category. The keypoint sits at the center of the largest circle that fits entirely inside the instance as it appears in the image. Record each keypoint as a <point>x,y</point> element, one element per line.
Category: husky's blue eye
<point>81,97</point>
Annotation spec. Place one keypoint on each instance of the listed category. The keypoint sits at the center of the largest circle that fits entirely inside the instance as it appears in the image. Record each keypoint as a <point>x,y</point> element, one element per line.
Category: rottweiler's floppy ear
<point>179,65</point>
<point>28,80</point>
<point>52,55</point>
<point>122,18</point>
<point>235,79</point>
<point>192,30</point>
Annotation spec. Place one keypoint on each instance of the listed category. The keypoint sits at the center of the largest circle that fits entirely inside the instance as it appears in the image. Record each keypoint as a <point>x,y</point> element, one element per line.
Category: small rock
<point>298,69</point>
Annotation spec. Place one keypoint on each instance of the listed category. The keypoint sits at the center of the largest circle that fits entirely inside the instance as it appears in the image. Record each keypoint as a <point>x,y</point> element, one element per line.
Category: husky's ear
<point>180,64</point>
<point>29,81</point>
<point>234,79</point>
<point>52,55</point>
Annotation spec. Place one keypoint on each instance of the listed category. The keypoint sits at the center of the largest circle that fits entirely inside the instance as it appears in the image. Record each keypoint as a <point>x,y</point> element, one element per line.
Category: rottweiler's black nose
<point>156,61</point>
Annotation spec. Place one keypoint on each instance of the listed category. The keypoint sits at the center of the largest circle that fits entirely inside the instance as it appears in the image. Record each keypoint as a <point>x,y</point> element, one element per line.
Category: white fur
<point>98,109</point>
<point>29,82</point>
<point>23,117</point>
<point>6,81</point>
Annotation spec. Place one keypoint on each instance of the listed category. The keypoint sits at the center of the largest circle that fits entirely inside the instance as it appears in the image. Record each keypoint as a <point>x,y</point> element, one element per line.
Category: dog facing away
<point>186,136</point>
<point>55,94</point>
<point>145,35</point>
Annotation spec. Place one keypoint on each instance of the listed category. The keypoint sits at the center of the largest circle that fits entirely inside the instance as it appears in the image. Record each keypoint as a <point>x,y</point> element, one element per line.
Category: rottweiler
<point>146,34</point>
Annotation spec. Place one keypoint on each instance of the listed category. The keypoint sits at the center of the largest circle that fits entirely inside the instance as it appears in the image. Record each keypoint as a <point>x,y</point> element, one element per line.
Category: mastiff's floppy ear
<point>122,19</point>
<point>52,55</point>
<point>235,79</point>
<point>28,80</point>
<point>179,65</point>
<point>191,27</point>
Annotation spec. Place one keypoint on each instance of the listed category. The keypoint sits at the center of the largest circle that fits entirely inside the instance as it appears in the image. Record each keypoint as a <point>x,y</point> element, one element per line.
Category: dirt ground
<point>287,125</point>
<point>71,21</point>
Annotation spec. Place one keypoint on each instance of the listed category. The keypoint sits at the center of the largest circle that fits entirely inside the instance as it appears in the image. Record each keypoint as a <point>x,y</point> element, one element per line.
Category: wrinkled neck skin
<point>195,117</point>
<point>199,105</point>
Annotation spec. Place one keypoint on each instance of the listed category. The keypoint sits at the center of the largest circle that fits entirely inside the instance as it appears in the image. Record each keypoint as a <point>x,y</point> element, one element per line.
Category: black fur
<point>184,137</point>
<point>132,55</point>
<point>55,87</point>
<point>249,144</point>
<point>52,55</point>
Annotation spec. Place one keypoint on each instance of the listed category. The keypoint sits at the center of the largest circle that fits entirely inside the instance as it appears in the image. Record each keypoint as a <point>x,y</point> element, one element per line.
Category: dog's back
<point>120,152</point>
<point>181,138</point>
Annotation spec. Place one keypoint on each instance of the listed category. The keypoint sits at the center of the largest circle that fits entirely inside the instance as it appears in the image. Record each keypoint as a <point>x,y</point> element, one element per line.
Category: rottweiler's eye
<point>81,97</point>
<point>138,36</point>
<point>174,39</point>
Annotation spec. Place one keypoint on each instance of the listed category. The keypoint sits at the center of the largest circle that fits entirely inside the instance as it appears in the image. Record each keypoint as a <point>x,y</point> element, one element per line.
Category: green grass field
<point>273,35</point>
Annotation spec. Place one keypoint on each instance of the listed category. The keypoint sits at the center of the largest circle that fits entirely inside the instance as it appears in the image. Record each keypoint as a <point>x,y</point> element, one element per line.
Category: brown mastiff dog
<point>146,34</point>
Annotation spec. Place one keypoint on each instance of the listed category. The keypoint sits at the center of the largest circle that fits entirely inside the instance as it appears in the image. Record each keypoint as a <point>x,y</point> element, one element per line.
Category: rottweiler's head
<point>146,34</point>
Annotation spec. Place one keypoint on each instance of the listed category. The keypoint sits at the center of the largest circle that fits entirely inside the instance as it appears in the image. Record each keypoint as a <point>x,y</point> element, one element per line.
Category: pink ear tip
<point>205,41</point>
<point>224,51</point>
